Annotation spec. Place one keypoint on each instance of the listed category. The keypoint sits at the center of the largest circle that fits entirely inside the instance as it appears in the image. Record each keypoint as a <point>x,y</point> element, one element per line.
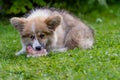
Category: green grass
<point>100,63</point>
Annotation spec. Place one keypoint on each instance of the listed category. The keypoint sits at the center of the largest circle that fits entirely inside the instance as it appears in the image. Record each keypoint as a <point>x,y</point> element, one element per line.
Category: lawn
<point>102,62</point>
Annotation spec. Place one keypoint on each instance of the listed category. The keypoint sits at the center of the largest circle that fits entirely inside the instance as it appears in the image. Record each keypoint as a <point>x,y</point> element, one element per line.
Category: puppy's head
<point>36,32</point>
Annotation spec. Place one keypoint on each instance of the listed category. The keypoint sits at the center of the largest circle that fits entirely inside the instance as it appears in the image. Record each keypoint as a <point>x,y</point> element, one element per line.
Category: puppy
<point>53,30</point>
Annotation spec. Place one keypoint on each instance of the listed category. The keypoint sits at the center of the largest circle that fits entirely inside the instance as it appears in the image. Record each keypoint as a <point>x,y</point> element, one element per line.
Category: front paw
<point>60,50</point>
<point>17,54</point>
<point>20,52</point>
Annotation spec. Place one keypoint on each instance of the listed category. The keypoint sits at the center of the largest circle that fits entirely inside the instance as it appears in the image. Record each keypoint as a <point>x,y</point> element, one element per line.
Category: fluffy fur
<point>53,30</point>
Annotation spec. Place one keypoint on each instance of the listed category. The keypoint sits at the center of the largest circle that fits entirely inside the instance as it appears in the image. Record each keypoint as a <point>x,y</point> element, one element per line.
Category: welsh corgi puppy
<point>53,30</point>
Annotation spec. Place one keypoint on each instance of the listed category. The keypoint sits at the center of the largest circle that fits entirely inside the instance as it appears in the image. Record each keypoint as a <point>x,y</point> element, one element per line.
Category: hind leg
<point>78,37</point>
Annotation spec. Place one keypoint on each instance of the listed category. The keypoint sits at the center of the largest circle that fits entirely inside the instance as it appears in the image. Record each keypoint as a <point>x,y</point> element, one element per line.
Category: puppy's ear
<point>18,23</point>
<point>53,22</point>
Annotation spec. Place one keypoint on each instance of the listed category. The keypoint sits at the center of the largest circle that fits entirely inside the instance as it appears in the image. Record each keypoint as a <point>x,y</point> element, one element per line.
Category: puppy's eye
<point>42,35</point>
<point>32,36</point>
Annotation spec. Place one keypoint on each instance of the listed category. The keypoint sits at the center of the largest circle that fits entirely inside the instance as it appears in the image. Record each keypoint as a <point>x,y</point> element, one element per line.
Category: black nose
<point>38,48</point>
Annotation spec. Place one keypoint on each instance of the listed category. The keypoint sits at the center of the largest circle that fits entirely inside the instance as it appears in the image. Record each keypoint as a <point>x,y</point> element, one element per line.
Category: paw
<point>17,54</point>
<point>60,50</point>
<point>20,52</point>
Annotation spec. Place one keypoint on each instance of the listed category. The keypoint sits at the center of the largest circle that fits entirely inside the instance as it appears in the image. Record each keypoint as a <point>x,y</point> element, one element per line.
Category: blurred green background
<point>20,7</point>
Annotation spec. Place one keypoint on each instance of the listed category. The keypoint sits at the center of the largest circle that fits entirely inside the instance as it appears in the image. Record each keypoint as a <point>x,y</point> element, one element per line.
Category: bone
<point>32,53</point>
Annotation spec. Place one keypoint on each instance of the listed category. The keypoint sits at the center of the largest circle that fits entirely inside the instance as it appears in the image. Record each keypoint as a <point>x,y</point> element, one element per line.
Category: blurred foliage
<point>8,7</point>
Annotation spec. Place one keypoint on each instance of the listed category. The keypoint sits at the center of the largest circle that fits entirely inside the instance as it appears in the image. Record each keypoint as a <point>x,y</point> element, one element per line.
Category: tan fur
<point>61,30</point>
